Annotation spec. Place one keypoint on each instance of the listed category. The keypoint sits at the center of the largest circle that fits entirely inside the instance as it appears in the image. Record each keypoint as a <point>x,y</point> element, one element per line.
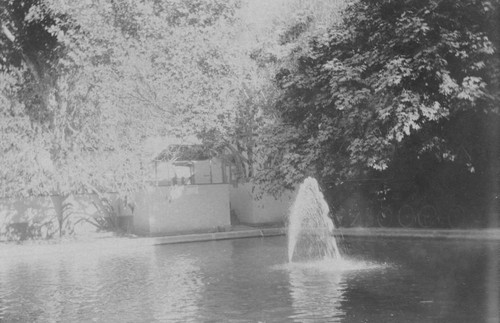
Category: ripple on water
<point>333,265</point>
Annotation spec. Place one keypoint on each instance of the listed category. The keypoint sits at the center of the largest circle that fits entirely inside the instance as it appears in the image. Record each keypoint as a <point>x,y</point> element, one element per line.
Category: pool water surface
<point>250,280</point>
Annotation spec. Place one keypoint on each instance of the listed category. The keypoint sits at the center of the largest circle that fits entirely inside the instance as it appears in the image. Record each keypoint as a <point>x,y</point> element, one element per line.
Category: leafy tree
<point>54,121</point>
<point>389,90</point>
<point>114,75</point>
<point>124,72</point>
<point>268,35</point>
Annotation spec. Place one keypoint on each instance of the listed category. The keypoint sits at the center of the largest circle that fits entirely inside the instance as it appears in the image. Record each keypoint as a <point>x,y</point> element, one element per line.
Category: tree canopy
<point>384,88</point>
<point>85,84</point>
<point>395,89</point>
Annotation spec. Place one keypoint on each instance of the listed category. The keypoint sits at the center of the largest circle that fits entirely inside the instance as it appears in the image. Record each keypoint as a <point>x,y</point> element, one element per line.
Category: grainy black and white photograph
<point>250,161</point>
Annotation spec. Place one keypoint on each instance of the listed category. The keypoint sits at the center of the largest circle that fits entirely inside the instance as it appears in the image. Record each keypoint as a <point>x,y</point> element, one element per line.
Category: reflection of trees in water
<point>493,283</point>
<point>435,280</point>
<point>72,283</point>
<point>316,294</point>
<point>174,289</point>
<point>246,288</point>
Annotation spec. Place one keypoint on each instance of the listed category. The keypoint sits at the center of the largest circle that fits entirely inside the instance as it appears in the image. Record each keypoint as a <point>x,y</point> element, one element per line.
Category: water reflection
<point>176,287</point>
<point>316,294</point>
<point>318,287</point>
<point>240,285</point>
<point>250,280</point>
<point>437,280</point>
<point>493,288</point>
<point>100,287</point>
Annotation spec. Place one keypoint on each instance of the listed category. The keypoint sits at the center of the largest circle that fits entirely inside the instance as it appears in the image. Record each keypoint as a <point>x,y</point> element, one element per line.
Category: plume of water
<point>309,227</point>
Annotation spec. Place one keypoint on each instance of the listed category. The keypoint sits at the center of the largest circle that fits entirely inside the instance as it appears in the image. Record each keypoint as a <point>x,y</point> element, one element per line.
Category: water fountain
<point>309,227</point>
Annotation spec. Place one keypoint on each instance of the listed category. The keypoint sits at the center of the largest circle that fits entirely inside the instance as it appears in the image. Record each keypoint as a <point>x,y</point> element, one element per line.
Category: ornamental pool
<point>250,280</point>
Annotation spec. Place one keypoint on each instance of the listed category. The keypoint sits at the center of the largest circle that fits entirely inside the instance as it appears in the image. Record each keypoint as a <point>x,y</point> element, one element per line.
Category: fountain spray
<point>309,227</point>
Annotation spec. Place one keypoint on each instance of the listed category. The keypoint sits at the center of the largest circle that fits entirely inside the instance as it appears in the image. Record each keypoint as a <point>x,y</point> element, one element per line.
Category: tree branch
<point>31,65</point>
<point>8,34</point>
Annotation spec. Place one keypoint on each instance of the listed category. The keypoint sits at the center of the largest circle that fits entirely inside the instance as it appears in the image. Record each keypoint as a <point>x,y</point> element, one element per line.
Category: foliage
<point>117,73</point>
<point>88,82</point>
<point>386,90</point>
<point>108,218</point>
<point>271,33</point>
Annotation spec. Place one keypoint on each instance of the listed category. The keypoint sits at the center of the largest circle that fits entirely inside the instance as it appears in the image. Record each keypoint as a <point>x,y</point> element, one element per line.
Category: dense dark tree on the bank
<point>400,89</point>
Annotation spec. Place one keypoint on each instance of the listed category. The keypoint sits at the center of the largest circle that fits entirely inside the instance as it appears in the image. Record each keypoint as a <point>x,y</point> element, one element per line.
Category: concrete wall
<point>157,210</point>
<point>18,217</point>
<point>253,206</point>
<point>181,208</point>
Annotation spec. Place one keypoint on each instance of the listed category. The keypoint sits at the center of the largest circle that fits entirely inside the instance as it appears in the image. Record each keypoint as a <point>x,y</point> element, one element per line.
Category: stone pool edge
<point>469,234</point>
<point>239,232</point>
<point>199,237</point>
<point>416,233</point>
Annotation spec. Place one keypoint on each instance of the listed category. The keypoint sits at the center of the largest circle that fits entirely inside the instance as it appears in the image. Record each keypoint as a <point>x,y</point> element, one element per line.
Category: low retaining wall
<point>181,208</point>
<point>253,206</point>
<point>157,211</point>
